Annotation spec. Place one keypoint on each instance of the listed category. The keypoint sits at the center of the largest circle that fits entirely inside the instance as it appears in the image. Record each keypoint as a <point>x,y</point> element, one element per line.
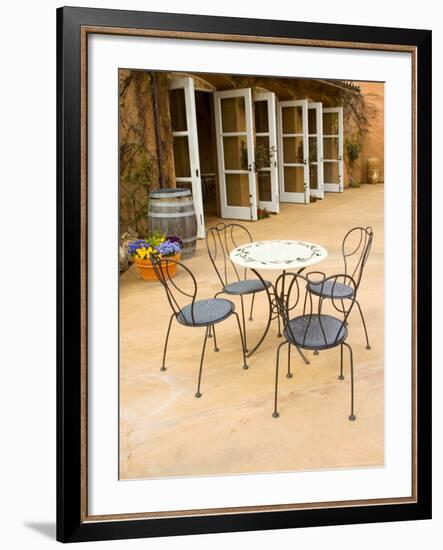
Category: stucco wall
<point>373,142</point>
<point>137,125</point>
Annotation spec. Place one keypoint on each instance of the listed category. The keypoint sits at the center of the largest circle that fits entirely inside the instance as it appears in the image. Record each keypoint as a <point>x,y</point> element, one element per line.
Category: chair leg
<point>320,303</point>
<point>244,322</point>
<point>289,373</point>
<point>304,303</point>
<point>352,415</point>
<point>341,377</point>
<point>210,328</point>
<point>279,334</point>
<point>275,413</point>
<point>215,339</point>
<point>166,343</point>
<point>245,366</point>
<point>252,306</point>
<point>343,310</point>
<point>198,394</point>
<point>302,355</point>
<point>364,325</point>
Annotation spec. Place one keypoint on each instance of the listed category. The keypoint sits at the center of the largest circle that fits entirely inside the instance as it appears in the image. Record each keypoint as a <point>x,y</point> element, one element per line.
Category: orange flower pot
<point>147,272</point>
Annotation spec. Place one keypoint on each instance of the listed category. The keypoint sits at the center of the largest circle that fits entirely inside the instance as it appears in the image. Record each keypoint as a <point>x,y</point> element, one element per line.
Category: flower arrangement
<point>155,244</point>
<point>159,245</point>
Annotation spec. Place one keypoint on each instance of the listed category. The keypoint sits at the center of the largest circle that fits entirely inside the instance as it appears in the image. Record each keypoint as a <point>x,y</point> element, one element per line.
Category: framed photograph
<point>244,274</point>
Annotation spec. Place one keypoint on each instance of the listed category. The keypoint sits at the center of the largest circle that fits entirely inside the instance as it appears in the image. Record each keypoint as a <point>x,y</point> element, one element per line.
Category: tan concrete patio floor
<point>166,431</point>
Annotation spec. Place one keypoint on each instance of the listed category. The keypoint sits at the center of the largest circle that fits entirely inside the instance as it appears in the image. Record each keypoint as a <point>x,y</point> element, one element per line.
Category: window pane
<point>233,114</point>
<point>313,156</point>
<point>294,179</point>
<point>261,117</point>
<point>292,120</point>
<point>262,152</point>
<point>330,148</point>
<point>181,157</point>
<point>235,153</point>
<point>331,172</point>
<point>177,109</point>
<point>312,121</point>
<point>237,189</point>
<point>330,123</point>
<point>184,185</point>
<point>293,150</point>
<point>264,186</point>
<point>313,180</point>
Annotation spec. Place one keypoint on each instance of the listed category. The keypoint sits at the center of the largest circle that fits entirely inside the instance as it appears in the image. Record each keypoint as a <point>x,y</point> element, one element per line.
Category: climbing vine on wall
<point>137,161</point>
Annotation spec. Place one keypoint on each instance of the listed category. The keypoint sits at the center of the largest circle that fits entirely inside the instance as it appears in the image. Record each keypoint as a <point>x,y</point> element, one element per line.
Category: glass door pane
<point>233,114</point>
<point>333,149</point>
<point>177,106</point>
<point>266,151</point>
<point>185,143</point>
<point>294,150</point>
<point>316,153</point>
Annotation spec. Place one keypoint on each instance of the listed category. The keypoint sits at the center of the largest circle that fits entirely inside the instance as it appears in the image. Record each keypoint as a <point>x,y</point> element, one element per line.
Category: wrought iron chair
<point>220,241</point>
<point>356,247</point>
<point>196,313</point>
<point>312,330</point>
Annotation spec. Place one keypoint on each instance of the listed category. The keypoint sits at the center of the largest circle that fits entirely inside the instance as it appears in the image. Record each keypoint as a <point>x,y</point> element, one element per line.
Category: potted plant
<point>353,150</point>
<point>262,213</point>
<point>159,245</point>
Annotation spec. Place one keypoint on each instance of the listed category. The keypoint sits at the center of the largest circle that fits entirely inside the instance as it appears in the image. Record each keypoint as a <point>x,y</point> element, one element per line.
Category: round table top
<point>278,254</point>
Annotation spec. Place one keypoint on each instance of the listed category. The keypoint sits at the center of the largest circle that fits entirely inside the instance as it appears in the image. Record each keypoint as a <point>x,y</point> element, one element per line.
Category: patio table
<point>281,255</point>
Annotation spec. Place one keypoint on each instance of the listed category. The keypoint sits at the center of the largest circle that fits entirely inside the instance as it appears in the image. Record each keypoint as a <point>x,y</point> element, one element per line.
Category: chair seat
<point>206,312</point>
<point>316,331</point>
<point>340,290</point>
<point>249,286</point>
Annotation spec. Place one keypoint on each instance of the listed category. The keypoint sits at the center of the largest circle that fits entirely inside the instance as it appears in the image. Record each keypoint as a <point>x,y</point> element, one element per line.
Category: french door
<point>266,151</point>
<point>185,143</point>
<point>234,130</point>
<point>315,129</point>
<point>333,149</point>
<point>293,151</point>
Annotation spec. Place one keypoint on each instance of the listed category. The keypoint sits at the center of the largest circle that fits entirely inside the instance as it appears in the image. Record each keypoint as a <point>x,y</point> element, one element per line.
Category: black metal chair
<point>220,241</point>
<point>312,330</point>
<point>197,313</point>
<point>355,250</point>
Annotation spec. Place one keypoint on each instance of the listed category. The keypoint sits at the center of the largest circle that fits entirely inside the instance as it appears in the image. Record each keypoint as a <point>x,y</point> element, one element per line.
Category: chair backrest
<point>220,241</point>
<point>176,293</point>
<point>355,250</point>
<point>294,299</point>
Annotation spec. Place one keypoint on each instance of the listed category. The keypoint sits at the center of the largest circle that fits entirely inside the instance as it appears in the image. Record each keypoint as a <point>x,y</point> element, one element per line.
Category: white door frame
<point>334,187</point>
<point>289,196</point>
<point>236,212</point>
<point>319,192</point>
<point>274,204</point>
<point>187,84</point>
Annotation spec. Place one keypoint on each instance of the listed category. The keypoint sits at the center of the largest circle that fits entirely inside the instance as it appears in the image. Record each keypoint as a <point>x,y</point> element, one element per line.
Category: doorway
<point>207,151</point>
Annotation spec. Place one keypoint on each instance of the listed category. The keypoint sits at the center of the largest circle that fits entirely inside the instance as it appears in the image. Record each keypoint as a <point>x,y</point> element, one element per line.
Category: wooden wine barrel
<point>172,212</point>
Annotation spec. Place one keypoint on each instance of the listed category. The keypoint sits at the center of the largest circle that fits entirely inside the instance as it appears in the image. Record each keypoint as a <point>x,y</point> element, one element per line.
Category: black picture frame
<point>71,523</point>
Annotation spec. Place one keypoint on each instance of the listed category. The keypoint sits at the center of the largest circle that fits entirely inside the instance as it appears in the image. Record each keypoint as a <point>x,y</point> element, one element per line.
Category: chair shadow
<point>44,528</point>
